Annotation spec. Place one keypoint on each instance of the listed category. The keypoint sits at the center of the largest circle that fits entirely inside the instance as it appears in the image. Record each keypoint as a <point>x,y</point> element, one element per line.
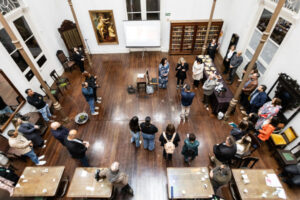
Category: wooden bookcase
<point>187,37</point>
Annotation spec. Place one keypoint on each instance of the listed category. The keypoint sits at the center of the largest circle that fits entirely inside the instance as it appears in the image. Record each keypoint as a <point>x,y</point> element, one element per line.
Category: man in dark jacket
<point>59,132</point>
<point>88,94</point>
<point>36,100</point>
<point>235,62</point>
<point>77,147</point>
<point>219,176</point>
<point>186,101</point>
<point>78,58</point>
<point>224,152</point>
<point>248,88</point>
<point>148,133</point>
<point>257,99</point>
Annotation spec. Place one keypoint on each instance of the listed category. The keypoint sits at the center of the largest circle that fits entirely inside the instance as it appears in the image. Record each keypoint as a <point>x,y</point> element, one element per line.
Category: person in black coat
<point>257,99</point>
<point>30,132</point>
<point>59,132</point>
<point>230,53</point>
<point>170,131</point>
<point>212,49</point>
<point>224,152</point>
<point>181,68</point>
<point>91,80</point>
<point>77,147</point>
<point>78,58</point>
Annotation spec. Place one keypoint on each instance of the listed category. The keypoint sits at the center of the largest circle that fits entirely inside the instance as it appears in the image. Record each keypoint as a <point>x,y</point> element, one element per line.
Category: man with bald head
<point>235,62</point>
<point>59,132</point>
<point>77,147</point>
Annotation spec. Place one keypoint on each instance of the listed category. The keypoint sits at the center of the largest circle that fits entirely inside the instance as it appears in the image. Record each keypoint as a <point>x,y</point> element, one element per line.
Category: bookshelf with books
<point>187,37</point>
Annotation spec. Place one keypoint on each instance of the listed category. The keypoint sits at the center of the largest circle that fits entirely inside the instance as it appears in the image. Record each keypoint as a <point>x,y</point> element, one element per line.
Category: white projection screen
<point>142,33</point>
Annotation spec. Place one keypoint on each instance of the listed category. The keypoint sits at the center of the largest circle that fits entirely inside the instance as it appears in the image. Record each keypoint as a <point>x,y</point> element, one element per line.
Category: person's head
<point>114,167</point>
<point>243,125</point>
<point>181,60</point>
<point>246,140</point>
<point>276,101</point>
<point>29,92</point>
<point>254,76</point>
<point>239,53</point>
<point>230,141</point>
<point>84,84</point>
<point>170,129</point>
<point>55,125</point>
<point>199,60</point>
<point>86,74</point>
<point>224,170</point>
<point>253,117</point>
<point>213,41</point>
<point>163,61</point>
<point>134,123</point>
<point>75,49</point>
<point>12,133</point>
<point>232,47</point>
<point>192,137</point>
<point>187,88</point>
<point>148,121</point>
<point>16,122</point>
<point>262,88</point>
<point>72,134</point>
<point>274,121</point>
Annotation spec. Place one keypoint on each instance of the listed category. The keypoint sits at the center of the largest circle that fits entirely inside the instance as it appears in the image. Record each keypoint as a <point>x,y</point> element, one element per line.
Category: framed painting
<point>104,26</point>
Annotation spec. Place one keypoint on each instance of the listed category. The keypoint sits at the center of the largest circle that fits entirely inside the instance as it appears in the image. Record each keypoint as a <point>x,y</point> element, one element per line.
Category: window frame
<point>144,11</point>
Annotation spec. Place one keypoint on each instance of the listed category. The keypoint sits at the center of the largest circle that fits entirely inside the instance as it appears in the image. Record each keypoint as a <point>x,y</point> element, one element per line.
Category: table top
<point>189,182</point>
<point>257,186</point>
<point>84,184</point>
<point>39,181</point>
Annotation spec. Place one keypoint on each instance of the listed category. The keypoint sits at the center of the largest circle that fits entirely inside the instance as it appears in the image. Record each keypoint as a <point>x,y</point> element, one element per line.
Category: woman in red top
<point>268,129</point>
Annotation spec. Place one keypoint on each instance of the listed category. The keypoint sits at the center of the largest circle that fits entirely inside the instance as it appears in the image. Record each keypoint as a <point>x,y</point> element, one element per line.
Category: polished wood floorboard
<point>109,136</point>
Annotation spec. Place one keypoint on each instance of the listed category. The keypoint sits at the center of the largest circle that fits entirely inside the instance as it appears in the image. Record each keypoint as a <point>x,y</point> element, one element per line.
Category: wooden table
<point>257,185</point>
<point>84,184</point>
<point>141,83</point>
<point>39,182</point>
<point>189,183</point>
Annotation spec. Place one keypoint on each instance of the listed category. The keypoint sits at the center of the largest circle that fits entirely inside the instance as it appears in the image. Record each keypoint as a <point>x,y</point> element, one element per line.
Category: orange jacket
<point>265,132</point>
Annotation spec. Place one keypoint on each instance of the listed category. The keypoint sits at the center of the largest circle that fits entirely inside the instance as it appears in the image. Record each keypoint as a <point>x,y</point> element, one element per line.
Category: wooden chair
<point>283,139</point>
<point>61,82</point>
<point>152,81</point>
<point>54,91</point>
<point>66,62</point>
<point>62,188</point>
<point>248,162</point>
<point>288,157</point>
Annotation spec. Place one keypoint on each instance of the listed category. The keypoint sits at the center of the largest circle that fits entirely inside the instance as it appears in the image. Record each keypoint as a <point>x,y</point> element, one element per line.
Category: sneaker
<point>53,116</point>
<point>41,157</point>
<point>41,162</point>
<point>241,108</point>
<point>98,101</point>
<point>207,108</point>
<point>99,98</point>
<point>96,108</point>
<point>244,112</point>
<point>45,141</point>
<point>44,146</point>
<point>95,113</point>
<point>140,141</point>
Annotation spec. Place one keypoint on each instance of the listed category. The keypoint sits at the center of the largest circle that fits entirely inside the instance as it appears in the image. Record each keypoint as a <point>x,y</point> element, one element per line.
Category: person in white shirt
<point>228,57</point>
<point>197,71</point>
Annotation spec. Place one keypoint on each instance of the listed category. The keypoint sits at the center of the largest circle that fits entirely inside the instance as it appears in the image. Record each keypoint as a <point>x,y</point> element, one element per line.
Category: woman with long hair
<point>135,131</point>
<point>163,71</point>
<point>197,71</point>
<point>170,136</point>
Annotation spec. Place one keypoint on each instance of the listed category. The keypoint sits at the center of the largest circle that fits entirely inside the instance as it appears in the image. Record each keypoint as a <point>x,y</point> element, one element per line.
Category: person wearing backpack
<point>190,147</point>
<point>169,141</point>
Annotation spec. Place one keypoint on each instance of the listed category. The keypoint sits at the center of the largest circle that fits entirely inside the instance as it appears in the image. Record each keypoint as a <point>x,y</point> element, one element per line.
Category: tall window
<point>8,5</point>
<point>143,9</point>
<point>272,44</point>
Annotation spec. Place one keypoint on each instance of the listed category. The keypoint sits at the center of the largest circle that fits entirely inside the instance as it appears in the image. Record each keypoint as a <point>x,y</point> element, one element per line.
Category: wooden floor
<point>109,136</point>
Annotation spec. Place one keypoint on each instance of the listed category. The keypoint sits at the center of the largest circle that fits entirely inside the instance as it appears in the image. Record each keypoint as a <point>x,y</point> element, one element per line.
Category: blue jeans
<point>45,112</point>
<point>91,102</point>
<point>135,137</point>
<point>32,156</point>
<point>149,142</point>
<point>84,161</point>
<point>7,109</point>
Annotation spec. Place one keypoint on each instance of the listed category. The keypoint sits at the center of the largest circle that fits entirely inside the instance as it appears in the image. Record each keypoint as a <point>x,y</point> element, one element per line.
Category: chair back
<point>61,56</point>
<point>290,134</point>
<point>255,143</point>
<point>54,75</point>
<point>248,162</point>
<point>147,77</point>
<point>296,151</point>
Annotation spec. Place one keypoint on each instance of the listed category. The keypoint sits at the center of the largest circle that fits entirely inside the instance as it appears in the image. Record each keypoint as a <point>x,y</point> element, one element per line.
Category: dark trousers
<point>232,74</point>
<point>252,109</point>
<point>81,66</point>
<point>244,100</point>
<point>226,65</point>
<point>206,99</point>
<point>84,161</point>
<point>95,93</point>
<point>180,80</point>
<point>196,83</point>
<point>166,155</point>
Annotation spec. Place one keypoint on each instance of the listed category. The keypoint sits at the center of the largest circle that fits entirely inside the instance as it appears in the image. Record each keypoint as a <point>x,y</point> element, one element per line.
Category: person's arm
<point>178,67</point>
<point>176,139</point>
<point>103,173</point>
<point>155,129</point>
<point>168,69</point>
<point>25,130</point>
<point>21,145</point>
<point>161,139</point>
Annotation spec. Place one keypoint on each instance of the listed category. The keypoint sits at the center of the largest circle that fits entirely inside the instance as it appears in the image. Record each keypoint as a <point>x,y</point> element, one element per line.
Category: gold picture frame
<point>104,26</point>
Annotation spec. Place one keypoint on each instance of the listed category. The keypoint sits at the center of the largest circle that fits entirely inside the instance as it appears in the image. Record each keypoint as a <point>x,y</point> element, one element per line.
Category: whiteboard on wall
<point>142,33</point>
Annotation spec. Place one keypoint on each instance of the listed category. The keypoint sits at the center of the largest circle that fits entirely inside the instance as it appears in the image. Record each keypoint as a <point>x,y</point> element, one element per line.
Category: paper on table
<point>281,193</point>
<point>83,173</point>
<point>140,75</point>
<point>89,188</point>
<point>272,180</point>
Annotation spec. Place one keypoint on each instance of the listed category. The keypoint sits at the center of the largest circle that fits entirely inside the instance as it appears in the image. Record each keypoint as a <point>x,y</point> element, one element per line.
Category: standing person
<point>169,141</point>
<point>212,49</point>
<point>163,71</point>
<point>36,100</point>
<point>267,111</point>
<point>88,94</point>
<point>190,148</point>
<point>59,132</point>
<point>208,89</point>
<point>4,108</point>
<point>235,62</point>
<point>230,53</point>
<point>77,147</point>
<point>186,101</point>
<point>30,132</point>
<point>224,151</point>
<point>220,175</point>
<point>21,146</point>
<point>91,80</point>
<point>197,71</point>
<point>148,133</point>
<point>248,88</point>
<point>257,99</point>
<point>181,68</point>
<point>135,131</point>
<point>117,178</point>
<point>78,58</point>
